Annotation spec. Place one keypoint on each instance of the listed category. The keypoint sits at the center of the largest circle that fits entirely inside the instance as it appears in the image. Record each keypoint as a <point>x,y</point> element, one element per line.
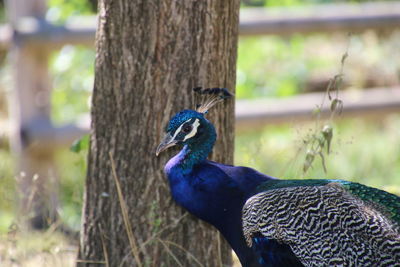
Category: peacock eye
<point>187,128</point>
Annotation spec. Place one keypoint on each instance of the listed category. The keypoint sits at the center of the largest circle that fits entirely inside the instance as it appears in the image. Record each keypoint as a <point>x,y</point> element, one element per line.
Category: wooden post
<point>30,106</point>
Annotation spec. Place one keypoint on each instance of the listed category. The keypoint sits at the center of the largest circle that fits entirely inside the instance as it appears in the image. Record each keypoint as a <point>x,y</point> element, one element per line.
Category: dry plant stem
<point>337,81</point>
<point>88,261</point>
<point>124,209</point>
<point>29,204</point>
<point>320,138</point>
<point>219,250</point>
<point>185,250</point>
<point>104,247</point>
<point>153,237</point>
<point>170,252</point>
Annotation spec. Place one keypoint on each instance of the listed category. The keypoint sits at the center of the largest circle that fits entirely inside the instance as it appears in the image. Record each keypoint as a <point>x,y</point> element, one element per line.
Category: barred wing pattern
<point>324,226</point>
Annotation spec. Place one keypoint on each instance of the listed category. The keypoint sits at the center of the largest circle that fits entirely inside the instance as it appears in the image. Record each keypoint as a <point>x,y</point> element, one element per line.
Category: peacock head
<point>190,127</point>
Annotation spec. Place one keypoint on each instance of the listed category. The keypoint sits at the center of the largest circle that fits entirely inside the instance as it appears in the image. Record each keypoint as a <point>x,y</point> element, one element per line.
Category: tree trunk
<point>149,56</point>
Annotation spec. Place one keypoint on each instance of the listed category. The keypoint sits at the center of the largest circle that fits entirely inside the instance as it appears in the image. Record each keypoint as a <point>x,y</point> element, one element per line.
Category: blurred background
<point>289,52</point>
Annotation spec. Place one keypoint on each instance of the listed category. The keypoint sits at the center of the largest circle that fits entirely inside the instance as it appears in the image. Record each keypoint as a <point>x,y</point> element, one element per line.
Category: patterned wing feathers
<point>324,226</point>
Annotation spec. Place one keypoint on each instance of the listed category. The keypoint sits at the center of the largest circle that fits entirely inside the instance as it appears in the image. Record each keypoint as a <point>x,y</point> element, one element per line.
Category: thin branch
<point>154,236</point>
<point>185,250</point>
<point>89,261</point>
<point>170,252</point>
<point>124,209</point>
<point>104,247</point>
<point>322,136</point>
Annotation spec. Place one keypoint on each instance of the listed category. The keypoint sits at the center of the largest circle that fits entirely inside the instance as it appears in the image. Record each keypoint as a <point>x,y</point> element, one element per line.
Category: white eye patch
<point>192,133</point>
<point>195,125</point>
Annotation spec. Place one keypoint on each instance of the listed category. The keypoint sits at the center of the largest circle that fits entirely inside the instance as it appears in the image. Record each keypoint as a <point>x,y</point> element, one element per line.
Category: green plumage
<point>278,184</point>
<point>386,203</point>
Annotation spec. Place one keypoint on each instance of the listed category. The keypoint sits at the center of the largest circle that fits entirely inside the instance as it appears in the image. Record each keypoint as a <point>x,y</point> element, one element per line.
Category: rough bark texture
<point>149,56</point>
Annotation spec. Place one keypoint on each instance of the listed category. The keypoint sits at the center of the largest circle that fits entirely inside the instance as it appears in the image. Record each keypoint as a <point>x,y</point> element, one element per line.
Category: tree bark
<point>149,56</point>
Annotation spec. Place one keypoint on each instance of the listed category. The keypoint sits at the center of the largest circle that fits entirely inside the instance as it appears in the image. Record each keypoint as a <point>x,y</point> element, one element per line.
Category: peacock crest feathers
<point>206,99</point>
<point>209,97</point>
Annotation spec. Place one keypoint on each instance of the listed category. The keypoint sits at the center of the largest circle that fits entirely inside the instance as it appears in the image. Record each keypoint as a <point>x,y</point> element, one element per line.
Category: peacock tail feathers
<point>324,222</point>
<point>384,202</point>
<point>388,204</point>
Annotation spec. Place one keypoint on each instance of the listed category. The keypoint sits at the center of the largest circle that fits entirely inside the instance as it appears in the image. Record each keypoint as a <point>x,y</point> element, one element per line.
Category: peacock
<point>273,222</point>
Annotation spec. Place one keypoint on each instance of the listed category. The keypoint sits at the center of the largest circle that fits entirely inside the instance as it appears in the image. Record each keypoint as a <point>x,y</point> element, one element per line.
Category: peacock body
<point>271,222</point>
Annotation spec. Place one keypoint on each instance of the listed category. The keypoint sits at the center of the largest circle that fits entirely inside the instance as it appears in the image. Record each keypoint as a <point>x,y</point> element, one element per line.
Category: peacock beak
<point>167,142</point>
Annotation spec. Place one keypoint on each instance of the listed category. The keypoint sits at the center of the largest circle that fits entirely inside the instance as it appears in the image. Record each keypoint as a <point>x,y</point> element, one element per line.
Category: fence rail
<point>320,18</point>
<point>372,103</point>
<point>253,21</point>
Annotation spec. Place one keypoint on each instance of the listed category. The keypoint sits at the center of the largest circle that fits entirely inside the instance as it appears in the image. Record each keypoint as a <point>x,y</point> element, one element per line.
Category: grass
<point>31,249</point>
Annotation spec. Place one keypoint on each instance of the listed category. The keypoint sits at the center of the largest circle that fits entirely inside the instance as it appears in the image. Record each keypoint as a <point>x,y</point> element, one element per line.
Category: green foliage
<point>72,170</point>
<point>290,3</point>
<point>82,144</point>
<point>2,12</point>
<point>286,3</point>
<point>61,10</point>
<point>279,66</point>
<point>72,70</point>
<point>7,190</point>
